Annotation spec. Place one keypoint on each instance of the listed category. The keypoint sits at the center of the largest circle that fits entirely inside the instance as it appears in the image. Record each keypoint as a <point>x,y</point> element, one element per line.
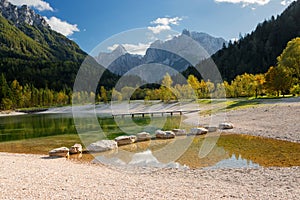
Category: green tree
<point>259,81</point>
<point>116,96</point>
<point>290,57</point>
<point>4,87</point>
<point>103,94</point>
<point>278,79</point>
<point>16,93</point>
<point>127,92</point>
<point>167,81</point>
<point>166,94</point>
<point>194,83</point>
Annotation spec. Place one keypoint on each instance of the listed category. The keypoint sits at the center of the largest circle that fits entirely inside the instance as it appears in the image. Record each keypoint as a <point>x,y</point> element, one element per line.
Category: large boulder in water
<point>102,145</point>
<point>124,139</point>
<point>59,152</point>
<point>164,134</point>
<point>143,136</point>
<point>211,128</point>
<point>198,131</point>
<point>179,132</point>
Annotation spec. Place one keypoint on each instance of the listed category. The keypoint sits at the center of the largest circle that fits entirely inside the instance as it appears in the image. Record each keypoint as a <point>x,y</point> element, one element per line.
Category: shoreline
<point>270,119</point>
<point>10,113</point>
<point>33,176</point>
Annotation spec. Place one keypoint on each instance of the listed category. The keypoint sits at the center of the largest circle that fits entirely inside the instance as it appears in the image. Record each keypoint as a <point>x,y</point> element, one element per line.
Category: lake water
<point>39,133</point>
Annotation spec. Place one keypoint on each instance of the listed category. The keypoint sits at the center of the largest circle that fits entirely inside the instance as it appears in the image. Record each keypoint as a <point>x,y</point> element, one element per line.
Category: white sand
<point>33,177</point>
<point>10,113</point>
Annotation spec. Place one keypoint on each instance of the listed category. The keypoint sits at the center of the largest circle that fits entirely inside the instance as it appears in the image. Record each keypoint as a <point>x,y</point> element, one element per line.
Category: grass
<point>238,104</point>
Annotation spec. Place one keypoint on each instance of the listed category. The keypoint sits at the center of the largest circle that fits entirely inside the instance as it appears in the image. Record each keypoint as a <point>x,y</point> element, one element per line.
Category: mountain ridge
<point>161,52</point>
<point>32,53</point>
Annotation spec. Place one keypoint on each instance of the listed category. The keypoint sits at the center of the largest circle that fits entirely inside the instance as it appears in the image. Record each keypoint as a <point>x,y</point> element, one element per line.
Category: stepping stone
<point>59,152</point>
<point>102,145</point>
<point>143,136</point>
<point>164,134</point>
<point>199,131</point>
<point>124,140</point>
<point>226,125</point>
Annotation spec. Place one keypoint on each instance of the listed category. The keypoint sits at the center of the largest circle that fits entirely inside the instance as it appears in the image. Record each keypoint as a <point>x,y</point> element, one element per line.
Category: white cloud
<point>139,48</point>
<point>62,27</point>
<point>113,47</point>
<point>162,24</point>
<point>245,2</point>
<point>167,21</point>
<point>286,2</point>
<point>38,4</point>
<point>159,28</point>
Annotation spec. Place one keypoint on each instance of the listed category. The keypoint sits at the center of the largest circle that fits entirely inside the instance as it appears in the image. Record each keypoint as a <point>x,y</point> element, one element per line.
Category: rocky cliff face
<point>21,15</point>
<point>172,53</point>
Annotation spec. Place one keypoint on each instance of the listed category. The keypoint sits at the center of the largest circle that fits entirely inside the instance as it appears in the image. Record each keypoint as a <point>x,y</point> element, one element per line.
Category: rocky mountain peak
<point>120,50</point>
<point>186,32</point>
<point>21,15</point>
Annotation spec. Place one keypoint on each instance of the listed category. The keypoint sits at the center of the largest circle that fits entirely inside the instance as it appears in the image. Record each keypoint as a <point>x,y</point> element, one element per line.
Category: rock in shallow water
<point>59,152</point>
<point>76,148</point>
<point>102,145</point>
<point>124,140</point>
<point>211,128</point>
<point>164,134</point>
<point>143,136</point>
<point>226,125</point>
<point>199,131</point>
<point>179,132</point>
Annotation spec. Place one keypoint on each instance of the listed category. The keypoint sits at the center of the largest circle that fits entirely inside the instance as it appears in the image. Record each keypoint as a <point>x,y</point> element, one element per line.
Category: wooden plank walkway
<point>162,113</point>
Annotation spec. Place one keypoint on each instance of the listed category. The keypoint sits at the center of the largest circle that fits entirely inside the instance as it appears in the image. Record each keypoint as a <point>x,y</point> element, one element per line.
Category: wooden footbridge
<point>161,113</point>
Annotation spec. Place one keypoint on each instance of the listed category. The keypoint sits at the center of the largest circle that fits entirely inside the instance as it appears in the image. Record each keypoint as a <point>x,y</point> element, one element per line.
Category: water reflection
<point>231,151</point>
<point>35,126</point>
<point>42,132</point>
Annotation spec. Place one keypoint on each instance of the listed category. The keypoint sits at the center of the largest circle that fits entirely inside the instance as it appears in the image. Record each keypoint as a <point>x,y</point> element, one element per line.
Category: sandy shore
<point>10,113</point>
<point>37,177</point>
<point>278,119</point>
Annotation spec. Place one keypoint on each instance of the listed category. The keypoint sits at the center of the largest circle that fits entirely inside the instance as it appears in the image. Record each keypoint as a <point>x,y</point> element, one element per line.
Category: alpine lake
<point>39,133</point>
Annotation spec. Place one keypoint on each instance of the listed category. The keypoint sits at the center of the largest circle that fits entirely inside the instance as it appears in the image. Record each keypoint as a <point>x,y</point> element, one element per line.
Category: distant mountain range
<point>119,61</point>
<point>34,54</point>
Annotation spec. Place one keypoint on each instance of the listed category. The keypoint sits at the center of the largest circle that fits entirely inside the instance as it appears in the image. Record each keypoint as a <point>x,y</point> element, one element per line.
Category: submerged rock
<point>164,134</point>
<point>59,152</point>
<point>226,125</point>
<point>102,145</point>
<point>143,136</point>
<point>179,132</point>
<point>76,148</point>
<point>211,128</point>
<point>199,131</point>
<point>124,140</point>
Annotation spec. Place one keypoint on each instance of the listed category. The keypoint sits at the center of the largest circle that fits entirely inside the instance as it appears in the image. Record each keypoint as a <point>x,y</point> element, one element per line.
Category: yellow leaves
<point>290,57</point>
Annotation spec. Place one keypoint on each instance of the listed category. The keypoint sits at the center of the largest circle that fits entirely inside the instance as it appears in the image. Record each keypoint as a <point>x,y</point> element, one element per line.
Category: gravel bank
<point>35,177</point>
<point>278,119</point>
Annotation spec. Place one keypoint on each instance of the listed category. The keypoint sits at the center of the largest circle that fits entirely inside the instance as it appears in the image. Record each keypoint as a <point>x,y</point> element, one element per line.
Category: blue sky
<point>91,22</point>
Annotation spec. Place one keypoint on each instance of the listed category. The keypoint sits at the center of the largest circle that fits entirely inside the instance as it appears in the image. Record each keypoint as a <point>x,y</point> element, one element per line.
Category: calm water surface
<point>39,133</point>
